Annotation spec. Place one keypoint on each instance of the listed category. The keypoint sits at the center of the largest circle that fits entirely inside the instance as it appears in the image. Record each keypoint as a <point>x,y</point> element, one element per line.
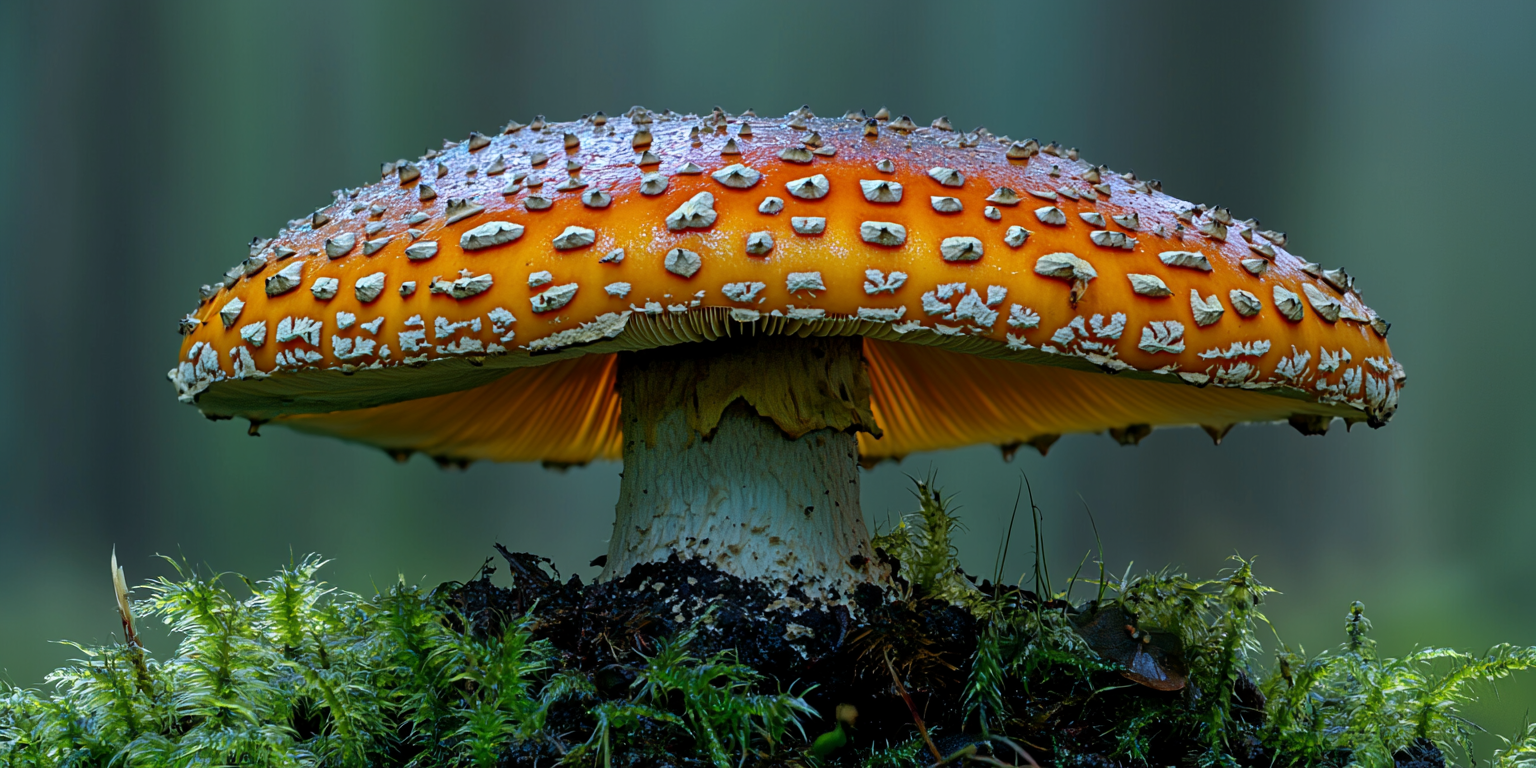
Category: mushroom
<point>744,363</point>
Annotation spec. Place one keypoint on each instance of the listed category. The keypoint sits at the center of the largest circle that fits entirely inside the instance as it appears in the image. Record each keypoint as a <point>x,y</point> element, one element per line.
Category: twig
<point>969,751</point>
<point>911,707</point>
<point>130,632</point>
<point>1017,749</point>
<point>989,760</point>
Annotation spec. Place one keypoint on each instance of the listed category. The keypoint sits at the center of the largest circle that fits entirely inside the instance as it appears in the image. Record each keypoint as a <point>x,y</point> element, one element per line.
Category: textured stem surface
<point>711,472</point>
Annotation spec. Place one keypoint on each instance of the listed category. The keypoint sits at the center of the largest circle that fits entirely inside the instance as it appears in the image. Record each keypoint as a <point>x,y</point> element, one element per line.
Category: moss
<point>1156,669</point>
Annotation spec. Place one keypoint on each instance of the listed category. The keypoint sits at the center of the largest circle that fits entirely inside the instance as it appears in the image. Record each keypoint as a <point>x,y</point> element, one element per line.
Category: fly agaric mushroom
<point>743,315</point>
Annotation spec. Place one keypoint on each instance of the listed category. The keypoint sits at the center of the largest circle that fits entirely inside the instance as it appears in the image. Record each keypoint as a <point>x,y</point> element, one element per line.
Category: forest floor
<point>679,664</point>
<point>900,658</point>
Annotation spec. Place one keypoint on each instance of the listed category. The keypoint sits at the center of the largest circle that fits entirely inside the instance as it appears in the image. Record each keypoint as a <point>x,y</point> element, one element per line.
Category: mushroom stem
<point>743,454</point>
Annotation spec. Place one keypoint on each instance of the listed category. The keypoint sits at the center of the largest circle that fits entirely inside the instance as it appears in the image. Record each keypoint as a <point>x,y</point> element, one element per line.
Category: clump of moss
<point>297,674</point>
<point>1157,669</point>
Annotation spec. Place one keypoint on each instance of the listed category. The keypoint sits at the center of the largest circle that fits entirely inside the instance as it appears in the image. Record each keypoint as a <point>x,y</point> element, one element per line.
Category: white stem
<point>748,499</point>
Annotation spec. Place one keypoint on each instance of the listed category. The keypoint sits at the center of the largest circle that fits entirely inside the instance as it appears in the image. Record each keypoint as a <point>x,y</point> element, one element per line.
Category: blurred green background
<point>143,144</point>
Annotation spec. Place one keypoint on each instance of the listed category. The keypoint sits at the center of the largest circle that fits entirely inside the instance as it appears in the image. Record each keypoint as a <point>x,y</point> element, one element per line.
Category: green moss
<point>292,673</point>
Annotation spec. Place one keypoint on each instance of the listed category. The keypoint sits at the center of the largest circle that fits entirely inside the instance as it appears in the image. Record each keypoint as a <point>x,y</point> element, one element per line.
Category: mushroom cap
<point>470,303</point>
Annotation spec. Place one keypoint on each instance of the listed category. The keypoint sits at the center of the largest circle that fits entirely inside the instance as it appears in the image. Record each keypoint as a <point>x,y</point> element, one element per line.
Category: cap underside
<point>924,398</point>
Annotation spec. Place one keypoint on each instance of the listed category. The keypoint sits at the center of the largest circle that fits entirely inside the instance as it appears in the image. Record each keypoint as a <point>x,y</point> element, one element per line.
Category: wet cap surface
<point>1007,291</point>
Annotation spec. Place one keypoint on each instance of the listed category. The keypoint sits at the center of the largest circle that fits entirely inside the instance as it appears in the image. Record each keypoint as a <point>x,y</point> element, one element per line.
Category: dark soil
<point>604,630</point>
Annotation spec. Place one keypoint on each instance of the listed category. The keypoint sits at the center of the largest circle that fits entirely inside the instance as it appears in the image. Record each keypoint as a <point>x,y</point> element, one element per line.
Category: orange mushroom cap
<point>469,304</point>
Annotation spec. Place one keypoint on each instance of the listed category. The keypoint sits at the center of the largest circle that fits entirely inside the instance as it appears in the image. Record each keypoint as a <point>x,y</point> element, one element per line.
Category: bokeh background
<point>143,144</point>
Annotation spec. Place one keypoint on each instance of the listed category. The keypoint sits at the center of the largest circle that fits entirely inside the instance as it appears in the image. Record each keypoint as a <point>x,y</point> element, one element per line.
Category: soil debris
<point>606,630</point>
